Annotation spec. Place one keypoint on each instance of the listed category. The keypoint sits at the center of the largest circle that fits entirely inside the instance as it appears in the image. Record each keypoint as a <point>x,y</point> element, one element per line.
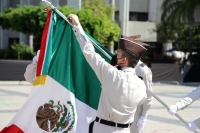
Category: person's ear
<point>124,59</point>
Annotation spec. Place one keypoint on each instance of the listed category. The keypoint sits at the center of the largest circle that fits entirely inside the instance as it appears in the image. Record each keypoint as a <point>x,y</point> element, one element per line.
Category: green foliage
<point>178,11</point>
<point>99,8</point>
<point>98,23</point>
<point>196,33</point>
<point>2,54</point>
<point>104,30</point>
<point>95,17</point>
<point>27,19</point>
<point>178,35</point>
<point>18,51</point>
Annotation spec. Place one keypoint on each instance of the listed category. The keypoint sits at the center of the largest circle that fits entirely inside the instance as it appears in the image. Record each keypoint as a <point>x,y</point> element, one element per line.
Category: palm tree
<point>180,11</point>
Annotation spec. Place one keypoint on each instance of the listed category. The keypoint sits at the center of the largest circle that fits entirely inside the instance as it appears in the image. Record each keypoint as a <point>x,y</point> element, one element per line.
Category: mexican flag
<point>65,94</point>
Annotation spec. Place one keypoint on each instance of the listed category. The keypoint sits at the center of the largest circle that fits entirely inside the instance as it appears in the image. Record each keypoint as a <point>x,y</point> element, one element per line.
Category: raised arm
<point>103,70</point>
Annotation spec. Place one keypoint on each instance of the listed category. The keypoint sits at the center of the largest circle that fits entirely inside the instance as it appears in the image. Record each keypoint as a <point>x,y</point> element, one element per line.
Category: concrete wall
<point>14,3</point>
<point>152,10</point>
<point>117,4</point>
<point>152,7</point>
<point>139,5</point>
<point>143,28</point>
<point>63,2</point>
<point>159,11</point>
<point>36,2</point>
<point>13,34</point>
<point>136,5</point>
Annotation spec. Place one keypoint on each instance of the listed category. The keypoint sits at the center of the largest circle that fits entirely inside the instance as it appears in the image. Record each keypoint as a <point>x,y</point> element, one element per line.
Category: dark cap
<point>132,45</point>
<point>137,38</point>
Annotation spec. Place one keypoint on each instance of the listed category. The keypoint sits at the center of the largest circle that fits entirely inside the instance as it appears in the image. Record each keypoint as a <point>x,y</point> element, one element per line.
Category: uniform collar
<point>128,69</point>
<point>139,62</point>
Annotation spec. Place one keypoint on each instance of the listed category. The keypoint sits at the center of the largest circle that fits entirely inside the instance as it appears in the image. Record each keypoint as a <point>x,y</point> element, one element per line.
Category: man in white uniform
<point>145,74</point>
<point>183,103</point>
<point>142,111</point>
<point>122,90</point>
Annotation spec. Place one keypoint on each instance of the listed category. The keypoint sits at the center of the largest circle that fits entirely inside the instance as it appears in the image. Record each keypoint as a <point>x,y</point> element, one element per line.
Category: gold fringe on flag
<point>40,80</point>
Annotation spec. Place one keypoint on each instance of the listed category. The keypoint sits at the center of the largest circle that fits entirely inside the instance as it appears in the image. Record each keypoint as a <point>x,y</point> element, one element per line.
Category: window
<point>138,16</point>
<point>116,16</point>
<point>13,41</point>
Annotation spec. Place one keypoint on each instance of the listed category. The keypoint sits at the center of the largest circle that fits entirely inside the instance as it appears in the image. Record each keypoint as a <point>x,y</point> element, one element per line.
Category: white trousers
<point>138,114</point>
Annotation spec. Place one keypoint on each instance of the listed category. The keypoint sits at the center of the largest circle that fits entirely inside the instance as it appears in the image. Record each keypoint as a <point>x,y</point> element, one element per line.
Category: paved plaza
<point>14,94</point>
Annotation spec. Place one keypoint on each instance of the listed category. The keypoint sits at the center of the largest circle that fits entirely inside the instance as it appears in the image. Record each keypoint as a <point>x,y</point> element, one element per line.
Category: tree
<point>177,12</point>
<point>104,11</point>
<point>99,7</point>
<point>178,35</point>
<point>29,20</point>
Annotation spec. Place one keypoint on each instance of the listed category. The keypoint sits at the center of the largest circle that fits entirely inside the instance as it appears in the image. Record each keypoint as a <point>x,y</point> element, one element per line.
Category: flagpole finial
<point>48,4</point>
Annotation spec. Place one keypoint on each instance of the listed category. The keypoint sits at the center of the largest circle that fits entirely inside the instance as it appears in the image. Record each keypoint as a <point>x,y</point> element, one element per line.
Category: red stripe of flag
<point>12,129</point>
<point>43,43</point>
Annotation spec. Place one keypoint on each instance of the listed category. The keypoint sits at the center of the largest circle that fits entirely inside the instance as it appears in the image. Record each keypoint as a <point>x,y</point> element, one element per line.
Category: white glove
<point>173,109</point>
<point>35,58</point>
<point>141,123</point>
<point>191,126</point>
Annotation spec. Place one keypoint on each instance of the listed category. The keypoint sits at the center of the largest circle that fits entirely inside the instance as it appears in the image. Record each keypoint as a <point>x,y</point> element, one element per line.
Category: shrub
<point>18,51</point>
<point>3,54</point>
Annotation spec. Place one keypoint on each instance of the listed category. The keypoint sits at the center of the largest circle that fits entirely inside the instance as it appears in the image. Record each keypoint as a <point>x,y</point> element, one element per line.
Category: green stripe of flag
<point>68,66</point>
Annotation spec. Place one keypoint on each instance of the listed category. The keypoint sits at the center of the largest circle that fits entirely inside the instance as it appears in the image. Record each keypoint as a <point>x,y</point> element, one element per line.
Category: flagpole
<point>108,56</point>
<point>65,18</point>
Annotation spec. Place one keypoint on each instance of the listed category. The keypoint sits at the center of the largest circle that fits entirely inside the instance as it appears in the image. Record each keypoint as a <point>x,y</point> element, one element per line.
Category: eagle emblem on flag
<point>56,117</point>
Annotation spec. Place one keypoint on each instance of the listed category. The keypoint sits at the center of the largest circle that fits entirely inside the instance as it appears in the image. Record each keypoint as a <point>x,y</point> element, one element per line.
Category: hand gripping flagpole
<point>65,18</point>
<point>108,56</point>
<point>178,116</point>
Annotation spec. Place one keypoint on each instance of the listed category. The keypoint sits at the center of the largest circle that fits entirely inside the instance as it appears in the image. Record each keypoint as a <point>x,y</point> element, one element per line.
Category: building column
<point>113,4</point>
<point>5,38</point>
<point>124,15</point>
<point>1,30</point>
<point>111,47</point>
<point>23,38</point>
<point>74,3</point>
<point>152,10</point>
<point>30,37</point>
<point>166,46</point>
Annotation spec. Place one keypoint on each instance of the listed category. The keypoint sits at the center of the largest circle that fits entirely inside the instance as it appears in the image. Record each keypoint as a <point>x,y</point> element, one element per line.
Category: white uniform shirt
<point>122,90</point>
<point>189,99</point>
<point>143,71</point>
